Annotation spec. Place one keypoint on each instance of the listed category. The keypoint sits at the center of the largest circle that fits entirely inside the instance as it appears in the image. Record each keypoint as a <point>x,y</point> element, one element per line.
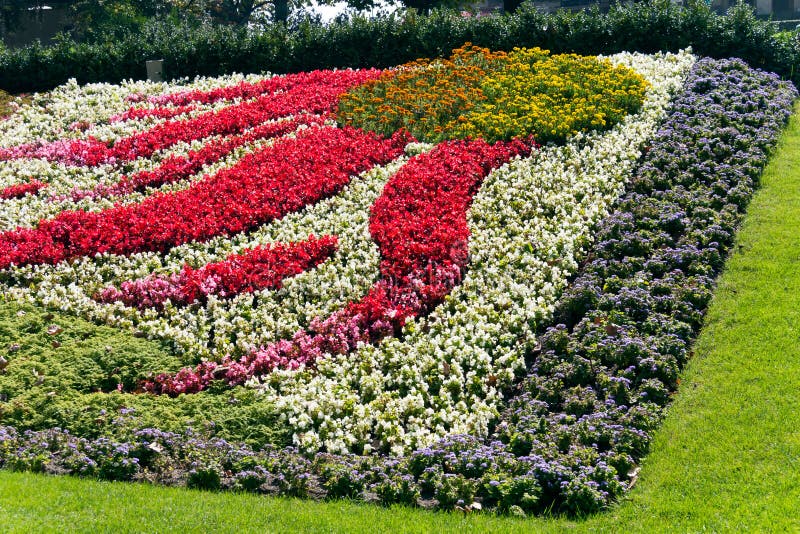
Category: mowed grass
<point>727,458</point>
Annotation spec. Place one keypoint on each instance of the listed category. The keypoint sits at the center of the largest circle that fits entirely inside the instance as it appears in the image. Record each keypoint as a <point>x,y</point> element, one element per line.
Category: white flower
<point>530,223</point>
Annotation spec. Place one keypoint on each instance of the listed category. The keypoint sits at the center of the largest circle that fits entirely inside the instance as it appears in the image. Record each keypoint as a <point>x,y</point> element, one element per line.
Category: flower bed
<point>389,348</point>
<point>318,97</point>
<point>419,225</point>
<point>494,95</point>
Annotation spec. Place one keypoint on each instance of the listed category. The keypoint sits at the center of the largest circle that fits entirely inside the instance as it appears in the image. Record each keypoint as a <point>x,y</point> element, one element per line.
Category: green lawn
<point>726,459</point>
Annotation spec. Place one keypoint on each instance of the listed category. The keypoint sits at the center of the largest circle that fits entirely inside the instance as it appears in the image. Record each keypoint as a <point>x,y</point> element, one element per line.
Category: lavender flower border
<point>570,440</point>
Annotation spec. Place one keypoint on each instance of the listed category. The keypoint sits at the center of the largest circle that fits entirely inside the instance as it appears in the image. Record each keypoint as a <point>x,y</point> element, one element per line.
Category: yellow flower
<point>497,95</point>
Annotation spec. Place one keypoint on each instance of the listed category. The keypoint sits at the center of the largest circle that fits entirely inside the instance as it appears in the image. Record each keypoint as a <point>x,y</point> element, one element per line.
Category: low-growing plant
<point>598,383</point>
<point>397,489</point>
<point>204,477</point>
<point>496,96</point>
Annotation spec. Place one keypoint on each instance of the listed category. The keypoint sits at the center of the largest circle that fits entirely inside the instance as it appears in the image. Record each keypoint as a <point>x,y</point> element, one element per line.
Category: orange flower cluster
<point>423,96</point>
<point>496,96</point>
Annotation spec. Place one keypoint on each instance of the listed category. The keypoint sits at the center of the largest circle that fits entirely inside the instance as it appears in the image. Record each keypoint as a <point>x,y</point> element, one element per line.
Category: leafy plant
<point>194,47</point>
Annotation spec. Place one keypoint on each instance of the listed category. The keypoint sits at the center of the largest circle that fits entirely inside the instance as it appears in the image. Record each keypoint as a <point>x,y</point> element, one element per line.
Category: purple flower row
<point>597,387</point>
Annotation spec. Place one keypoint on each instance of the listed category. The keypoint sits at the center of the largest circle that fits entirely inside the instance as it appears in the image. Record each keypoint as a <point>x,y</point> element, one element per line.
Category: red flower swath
<point>420,225</point>
<point>320,97</point>
<point>20,190</point>
<point>176,168</point>
<point>261,187</point>
<point>247,90</point>
<point>263,267</point>
<point>134,113</point>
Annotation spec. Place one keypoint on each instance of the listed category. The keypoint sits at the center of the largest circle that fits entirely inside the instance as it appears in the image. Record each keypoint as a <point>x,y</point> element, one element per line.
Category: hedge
<point>191,49</point>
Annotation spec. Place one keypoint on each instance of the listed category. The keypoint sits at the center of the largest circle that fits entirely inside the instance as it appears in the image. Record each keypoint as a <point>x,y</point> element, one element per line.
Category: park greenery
<point>483,264</point>
<point>196,47</point>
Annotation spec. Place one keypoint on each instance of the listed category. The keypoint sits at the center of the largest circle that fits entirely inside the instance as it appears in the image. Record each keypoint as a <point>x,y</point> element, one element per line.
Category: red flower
<point>176,168</point>
<point>263,267</point>
<point>420,225</point>
<point>140,113</point>
<point>319,94</point>
<point>261,187</point>
<point>20,190</point>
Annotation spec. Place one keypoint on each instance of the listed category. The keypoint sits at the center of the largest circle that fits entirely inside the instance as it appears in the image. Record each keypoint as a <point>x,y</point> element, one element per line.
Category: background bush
<point>193,48</point>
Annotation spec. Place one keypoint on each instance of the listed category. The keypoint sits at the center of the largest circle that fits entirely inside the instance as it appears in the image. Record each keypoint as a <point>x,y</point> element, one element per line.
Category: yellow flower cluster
<point>496,95</point>
<point>551,97</point>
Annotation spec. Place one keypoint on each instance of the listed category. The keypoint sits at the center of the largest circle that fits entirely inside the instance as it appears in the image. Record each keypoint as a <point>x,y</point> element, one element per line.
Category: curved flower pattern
<point>496,96</point>
<point>261,187</point>
<point>428,348</point>
<point>319,97</point>
<point>419,224</point>
<point>263,267</point>
<point>175,168</point>
<point>528,223</point>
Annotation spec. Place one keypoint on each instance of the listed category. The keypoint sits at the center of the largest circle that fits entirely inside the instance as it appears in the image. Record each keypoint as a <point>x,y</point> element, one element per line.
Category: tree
<point>93,19</point>
<point>239,12</point>
<point>15,13</point>
<point>421,6</point>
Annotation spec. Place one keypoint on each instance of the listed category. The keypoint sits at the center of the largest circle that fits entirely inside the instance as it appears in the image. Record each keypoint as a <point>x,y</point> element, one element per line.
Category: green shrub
<point>191,48</point>
<point>205,478</point>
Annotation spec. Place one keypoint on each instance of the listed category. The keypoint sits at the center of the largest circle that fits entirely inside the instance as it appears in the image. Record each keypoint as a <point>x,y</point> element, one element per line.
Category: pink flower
<point>419,223</point>
<point>259,268</point>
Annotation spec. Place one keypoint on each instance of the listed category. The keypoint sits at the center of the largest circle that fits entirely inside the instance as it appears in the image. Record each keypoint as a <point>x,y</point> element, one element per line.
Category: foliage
<point>96,20</point>
<point>8,103</point>
<point>726,429</point>
<point>57,379</point>
<point>104,21</point>
<point>190,49</point>
<point>603,375</point>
